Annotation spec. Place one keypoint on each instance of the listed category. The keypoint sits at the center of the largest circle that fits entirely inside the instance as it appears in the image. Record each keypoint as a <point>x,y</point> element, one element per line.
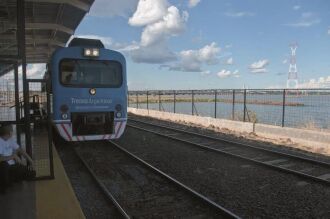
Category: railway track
<point>103,188</point>
<point>305,168</point>
<point>140,190</point>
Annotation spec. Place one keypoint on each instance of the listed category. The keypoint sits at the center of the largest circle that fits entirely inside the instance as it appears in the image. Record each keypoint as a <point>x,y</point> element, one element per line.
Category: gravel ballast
<point>248,190</point>
<point>141,192</point>
<point>92,200</point>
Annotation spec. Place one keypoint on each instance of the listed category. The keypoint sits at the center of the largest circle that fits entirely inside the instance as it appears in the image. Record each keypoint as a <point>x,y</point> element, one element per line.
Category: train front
<point>89,89</point>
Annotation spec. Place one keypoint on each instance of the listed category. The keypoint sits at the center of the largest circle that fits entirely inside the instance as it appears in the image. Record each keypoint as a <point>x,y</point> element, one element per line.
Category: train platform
<point>42,199</point>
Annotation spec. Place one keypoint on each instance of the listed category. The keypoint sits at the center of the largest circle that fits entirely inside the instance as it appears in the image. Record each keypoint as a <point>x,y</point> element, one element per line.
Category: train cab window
<point>90,73</point>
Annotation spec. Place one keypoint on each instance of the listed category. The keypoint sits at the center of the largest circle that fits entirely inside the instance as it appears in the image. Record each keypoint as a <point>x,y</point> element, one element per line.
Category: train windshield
<point>90,73</point>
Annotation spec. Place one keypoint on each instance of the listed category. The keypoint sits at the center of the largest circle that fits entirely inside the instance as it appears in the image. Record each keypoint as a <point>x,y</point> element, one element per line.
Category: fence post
<point>159,101</point>
<point>147,100</point>
<point>50,134</point>
<point>174,101</point>
<point>215,103</point>
<point>137,100</point>
<point>233,108</point>
<point>244,105</point>
<point>283,108</point>
<point>192,102</point>
<point>17,105</point>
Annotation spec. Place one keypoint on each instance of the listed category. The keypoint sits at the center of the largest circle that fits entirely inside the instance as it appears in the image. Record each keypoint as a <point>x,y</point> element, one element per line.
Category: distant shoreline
<point>210,100</point>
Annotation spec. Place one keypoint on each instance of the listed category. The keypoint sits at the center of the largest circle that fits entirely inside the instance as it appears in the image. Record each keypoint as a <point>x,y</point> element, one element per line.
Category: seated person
<point>12,168</point>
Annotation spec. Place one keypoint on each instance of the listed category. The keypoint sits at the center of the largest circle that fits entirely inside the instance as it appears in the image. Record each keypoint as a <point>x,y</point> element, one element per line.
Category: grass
<point>166,99</point>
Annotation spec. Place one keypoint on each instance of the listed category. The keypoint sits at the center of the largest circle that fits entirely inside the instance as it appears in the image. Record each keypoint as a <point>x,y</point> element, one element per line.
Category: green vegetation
<point>167,99</point>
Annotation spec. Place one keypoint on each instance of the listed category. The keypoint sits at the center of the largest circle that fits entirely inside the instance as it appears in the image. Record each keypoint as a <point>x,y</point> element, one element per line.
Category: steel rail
<point>278,168</point>
<point>225,212</point>
<point>236,143</point>
<point>104,189</point>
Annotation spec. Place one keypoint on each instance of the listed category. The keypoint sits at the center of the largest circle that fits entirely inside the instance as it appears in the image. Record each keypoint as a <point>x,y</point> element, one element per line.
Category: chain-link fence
<point>34,138</point>
<point>40,128</point>
<point>7,97</point>
<point>301,108</point>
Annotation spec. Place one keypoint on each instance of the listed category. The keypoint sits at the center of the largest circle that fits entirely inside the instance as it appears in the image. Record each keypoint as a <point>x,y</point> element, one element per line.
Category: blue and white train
<point>89,91</point>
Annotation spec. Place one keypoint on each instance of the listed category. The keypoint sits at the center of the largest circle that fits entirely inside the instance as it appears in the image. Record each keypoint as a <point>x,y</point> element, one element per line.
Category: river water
<point>311,111</point>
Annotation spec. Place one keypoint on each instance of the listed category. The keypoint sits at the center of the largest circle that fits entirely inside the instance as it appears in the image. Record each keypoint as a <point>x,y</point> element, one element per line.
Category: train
<point>88,86</point>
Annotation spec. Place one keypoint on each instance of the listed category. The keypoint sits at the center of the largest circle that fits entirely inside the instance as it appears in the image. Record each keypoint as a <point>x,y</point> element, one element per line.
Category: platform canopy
<point>49,24</point>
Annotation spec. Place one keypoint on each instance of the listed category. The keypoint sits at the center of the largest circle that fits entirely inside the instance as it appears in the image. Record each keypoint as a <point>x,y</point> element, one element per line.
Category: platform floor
<point>42,199</point>
<point>19,201</point>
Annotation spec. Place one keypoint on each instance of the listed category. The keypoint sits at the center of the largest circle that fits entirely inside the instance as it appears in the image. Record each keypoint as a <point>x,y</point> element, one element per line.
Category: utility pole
<point>292,81</point>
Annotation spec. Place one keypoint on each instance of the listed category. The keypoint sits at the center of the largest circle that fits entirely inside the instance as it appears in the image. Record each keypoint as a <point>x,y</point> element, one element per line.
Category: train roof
<point>83,42</point>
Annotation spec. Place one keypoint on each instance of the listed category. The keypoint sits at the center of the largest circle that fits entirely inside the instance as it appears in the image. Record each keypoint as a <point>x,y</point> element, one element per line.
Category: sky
<point>206,44</point>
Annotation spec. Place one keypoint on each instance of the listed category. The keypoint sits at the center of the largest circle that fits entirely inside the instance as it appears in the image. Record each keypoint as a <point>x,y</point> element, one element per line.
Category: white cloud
<point>275,87</point>
<point>36,71</point>
<point>239,14</point>
<point>193,60</point>
<point>307,19</point>
<point>296,7</point>
<point>322,82</point>
<point>230,61</point>
<point>259,66</point>
<point>110,8</point>
<point>33,71</point>
<point>193,3</point>
<point>329,31</point>
<point>207,54</point>
<point>154,54</point>
<point>148,12</point>
<point>226,74</point>
<point>285,61</point>
<point>107,41</point>
<point>161,21</point>
<point>260,70</point>
<point>171,24</point>
<point>206,73</point>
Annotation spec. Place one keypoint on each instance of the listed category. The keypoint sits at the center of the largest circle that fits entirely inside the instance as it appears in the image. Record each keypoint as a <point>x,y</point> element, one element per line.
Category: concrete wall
<point>301,136</point>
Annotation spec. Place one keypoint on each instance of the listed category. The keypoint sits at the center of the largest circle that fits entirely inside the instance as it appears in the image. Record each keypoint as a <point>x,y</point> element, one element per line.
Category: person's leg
<point>20,172</point>
<point>17,173</point>
<point>4,176</point>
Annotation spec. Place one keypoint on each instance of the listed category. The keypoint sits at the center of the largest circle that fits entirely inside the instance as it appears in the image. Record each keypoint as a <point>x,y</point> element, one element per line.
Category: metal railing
<point>302,108</point>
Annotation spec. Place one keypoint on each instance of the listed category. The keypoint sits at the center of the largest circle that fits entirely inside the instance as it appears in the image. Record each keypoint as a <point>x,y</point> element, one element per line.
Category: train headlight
<point>92,91</point>
<point>64,116</point>
<point>87,52</point>
<point>96,52</point>
<point>118,114</point>
<point>91,52</point>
